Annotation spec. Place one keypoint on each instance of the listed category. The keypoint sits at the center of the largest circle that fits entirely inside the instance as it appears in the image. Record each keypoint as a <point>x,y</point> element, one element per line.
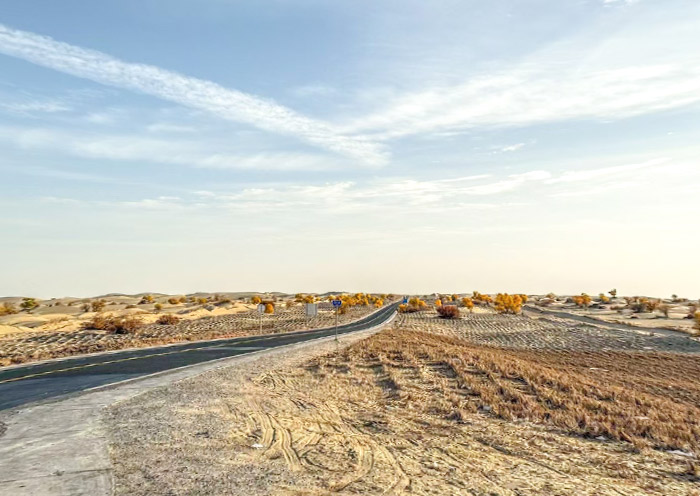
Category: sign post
<point>336,305</point>
<point>261,311</point>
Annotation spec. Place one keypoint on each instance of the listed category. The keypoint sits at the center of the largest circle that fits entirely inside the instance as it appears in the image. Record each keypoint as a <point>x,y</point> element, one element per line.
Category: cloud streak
<point>191,92</point>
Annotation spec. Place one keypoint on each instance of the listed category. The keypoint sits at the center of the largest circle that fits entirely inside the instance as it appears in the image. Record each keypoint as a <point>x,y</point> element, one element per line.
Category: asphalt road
<point>42,381</point>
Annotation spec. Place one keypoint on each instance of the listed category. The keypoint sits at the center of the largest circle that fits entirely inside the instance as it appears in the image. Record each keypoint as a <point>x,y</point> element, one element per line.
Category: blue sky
<point>404,146</point>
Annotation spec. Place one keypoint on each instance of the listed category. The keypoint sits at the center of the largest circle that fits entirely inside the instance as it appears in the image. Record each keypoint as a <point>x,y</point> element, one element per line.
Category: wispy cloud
<point>605,172</point>
<point>35,107</point>
<point>599,74</point>
<point>188,91</point>
<point>157,149</point>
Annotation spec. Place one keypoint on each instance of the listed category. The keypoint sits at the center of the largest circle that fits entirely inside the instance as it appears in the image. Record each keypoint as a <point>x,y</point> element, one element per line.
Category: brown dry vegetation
<point>413,412</point>
<point>648,399</point>
<point>168,319</point>
<point>114,325</point>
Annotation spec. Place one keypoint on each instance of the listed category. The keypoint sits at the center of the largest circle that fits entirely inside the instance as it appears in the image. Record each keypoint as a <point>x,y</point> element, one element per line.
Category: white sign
<point>311,309</point>
<point>261,308</point>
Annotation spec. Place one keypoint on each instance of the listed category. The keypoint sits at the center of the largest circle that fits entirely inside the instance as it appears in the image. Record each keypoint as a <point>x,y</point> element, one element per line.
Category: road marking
<point>109,362</point>
<point>88,365</point>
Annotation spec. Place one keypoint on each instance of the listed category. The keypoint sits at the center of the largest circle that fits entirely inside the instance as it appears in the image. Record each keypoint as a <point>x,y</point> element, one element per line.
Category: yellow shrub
<point>255,300</point>
<point>269,308</point>
<point>506,303</point>
<point>468,303</point>
<point>582,301</point>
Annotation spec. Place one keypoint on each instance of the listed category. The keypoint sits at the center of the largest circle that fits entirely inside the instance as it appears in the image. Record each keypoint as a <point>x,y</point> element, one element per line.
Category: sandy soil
<point>418,410</point>
<point>618,311</point>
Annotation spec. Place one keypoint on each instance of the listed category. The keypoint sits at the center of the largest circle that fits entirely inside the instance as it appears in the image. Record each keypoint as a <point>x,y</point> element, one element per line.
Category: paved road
<point>41,381</point>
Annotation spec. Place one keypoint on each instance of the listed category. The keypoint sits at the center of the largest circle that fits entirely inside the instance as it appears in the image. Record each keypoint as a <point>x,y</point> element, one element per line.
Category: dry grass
<point>168,319</point>
<point>114,325</point>
<point>408,411</point>
<point>647,399</point>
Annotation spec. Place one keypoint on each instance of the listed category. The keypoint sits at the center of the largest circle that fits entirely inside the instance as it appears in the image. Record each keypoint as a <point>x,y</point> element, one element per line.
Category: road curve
<point>46,380</point>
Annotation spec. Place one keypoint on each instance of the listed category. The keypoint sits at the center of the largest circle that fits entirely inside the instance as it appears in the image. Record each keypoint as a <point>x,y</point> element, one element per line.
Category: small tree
<point>468,304</point>
<point>582,301</point>
<point>202,301</point>
<point>158,307</point>
<point>173,301</point>
<point>506,303</point>
<point>613,293</point>
<point>269,307</point>
<point>28,304</point>
<point>256,300</point>
<point>603,298</point>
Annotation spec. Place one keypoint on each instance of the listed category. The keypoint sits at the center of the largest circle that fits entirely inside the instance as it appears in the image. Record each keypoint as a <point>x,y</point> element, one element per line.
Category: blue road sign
<point>337,303</point>
<point>405,299</point>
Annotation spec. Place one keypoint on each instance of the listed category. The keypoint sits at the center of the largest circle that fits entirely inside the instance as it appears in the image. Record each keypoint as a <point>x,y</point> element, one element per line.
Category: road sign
<point>261,308</point>
<point>337,303</point>
<point>405,299</point>
<point>311,309</point>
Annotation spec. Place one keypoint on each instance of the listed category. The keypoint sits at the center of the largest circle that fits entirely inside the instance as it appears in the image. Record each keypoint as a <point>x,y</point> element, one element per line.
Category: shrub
<point>7,309</point>
<point>582,301</point>
<point>202,301</point>
<point>639,304</point>
<point>98,305</point>
<point>438,303</point>
<point>168,319</point>
<point>415,304</point>
<point>269,308</point>
<point>146,299</point>
<point>114,325</point>
<point>506,303</point>
<point>173,301</point>
<point>448,312</point>
<point>603,298</point>
<point>158,307</point>
<point>256,300</point>
<point>182,300</point>
<point>378,303</point>
<point>697,320</point>
<point>468,304</point>
<point>28,304</point>
<point>481,299</point>
<point>613,293</point>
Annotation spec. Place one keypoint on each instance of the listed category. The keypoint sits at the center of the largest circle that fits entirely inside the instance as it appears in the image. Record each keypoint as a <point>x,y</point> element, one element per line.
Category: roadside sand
<point>372,419</point>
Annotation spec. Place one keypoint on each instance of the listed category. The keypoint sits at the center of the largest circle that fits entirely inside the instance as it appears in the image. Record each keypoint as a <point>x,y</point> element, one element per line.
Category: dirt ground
<point>414,410</point>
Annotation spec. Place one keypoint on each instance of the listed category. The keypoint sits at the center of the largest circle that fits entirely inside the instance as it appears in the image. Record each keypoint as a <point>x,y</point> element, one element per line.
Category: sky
<point>394,146</point>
